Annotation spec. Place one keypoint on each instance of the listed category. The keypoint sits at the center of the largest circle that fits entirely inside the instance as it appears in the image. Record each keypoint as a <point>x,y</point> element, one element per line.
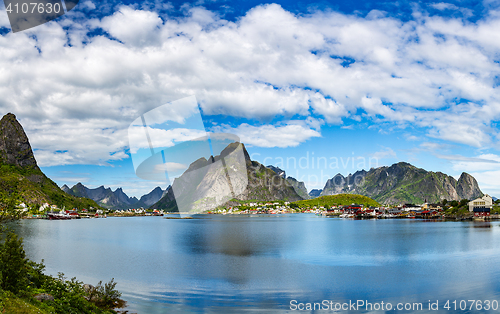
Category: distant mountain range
<point>21,179</point>
<point>404,183</point>
<point>399,183</point>
<point>114,199</point>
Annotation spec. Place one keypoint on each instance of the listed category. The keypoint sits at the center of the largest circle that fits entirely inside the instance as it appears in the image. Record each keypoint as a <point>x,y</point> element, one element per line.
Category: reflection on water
<point>242,263</point>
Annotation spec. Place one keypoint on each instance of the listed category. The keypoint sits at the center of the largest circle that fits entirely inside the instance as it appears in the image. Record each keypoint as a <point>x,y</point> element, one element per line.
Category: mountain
<point>152,197</point>
<point>203,185</point>
<point>298,186</point>
<point>66,189</point>
<point>404,183</point>
<point>315,193</point>
<point>103,196</point>
<point>21,179</point>
<point>278,171</point>
<point>114,199</point>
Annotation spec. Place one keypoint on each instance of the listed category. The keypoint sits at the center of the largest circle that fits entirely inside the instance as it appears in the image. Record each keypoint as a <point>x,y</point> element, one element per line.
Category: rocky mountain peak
<point>467,186</point>
<point>65,188</point>
<point>251,181</point>
<point>15,148</point>
<point>278,171</point>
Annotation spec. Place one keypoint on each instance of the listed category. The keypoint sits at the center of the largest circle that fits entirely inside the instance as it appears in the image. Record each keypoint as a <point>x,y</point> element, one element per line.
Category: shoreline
<point>493,217</point>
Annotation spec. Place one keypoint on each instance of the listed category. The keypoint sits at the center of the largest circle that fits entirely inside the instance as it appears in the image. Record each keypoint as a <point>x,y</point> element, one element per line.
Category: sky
<point>314,87</point>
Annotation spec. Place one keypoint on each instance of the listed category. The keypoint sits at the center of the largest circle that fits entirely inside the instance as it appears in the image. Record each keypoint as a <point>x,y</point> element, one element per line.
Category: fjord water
<point>236,264</point>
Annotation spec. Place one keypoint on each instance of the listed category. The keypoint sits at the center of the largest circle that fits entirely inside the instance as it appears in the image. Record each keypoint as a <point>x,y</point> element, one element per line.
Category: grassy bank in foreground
<point>336,200</point>
<point>24,288</point>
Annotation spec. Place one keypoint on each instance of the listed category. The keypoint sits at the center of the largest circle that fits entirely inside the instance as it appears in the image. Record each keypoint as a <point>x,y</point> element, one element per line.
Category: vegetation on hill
<point>457,208</point>
<point>334,200</point>
<point>30,186</point>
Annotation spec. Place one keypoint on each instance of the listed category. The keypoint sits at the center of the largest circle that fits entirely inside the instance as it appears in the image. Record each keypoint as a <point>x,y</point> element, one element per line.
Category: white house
<point>481,206</point>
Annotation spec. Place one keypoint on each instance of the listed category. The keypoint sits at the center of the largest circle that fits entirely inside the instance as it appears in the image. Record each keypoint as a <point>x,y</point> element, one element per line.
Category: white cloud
<point>89,5</point>
<point>160,138</point>
<point>484,162</point>
<point>134,27</point>
<point>410,137</point>
<point>272,136</point>
<point>488,181</point>
<point>386,152</point>
<point>171,167</point>
<point>433,147</point>
<point>77,94</point>
<point>443,6</point>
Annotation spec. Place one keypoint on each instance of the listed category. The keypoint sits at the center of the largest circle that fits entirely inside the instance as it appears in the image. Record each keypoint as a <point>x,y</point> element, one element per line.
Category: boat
<point>58,216</point>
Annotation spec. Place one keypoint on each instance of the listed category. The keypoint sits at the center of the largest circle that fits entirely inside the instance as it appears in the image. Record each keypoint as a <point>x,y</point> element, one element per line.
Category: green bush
<point>21,279</point>
<point>13,264</point>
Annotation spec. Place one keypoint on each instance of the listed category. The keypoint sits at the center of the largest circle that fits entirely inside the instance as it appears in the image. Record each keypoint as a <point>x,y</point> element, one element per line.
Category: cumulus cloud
<point>76,93</point>
<point>443,6</point>
<point>483,162</point>
<point>488,180</point>
<point>171,166</point>
<point>272,136</point>
<point>386,152</point>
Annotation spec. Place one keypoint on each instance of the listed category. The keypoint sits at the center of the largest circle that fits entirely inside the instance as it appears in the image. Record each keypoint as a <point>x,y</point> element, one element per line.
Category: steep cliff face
<point>15,148</point>
<point>205,182</point>
<point>404,183</point>
<point>297,185</point>
<point>20,177</point>
<point>467,187</point>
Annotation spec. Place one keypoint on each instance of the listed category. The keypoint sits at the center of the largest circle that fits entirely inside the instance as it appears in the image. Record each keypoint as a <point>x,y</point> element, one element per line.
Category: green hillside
<point>21,180</point>
<point>339,199</point>
<point>29,185</point>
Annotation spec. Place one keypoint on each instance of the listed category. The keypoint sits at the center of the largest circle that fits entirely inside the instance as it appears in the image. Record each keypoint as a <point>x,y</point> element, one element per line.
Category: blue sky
<point>357,84</point>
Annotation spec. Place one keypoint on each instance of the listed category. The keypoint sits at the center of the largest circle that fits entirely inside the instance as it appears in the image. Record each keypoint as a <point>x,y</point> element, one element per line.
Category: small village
<point>480,209</point>
<point>53,212</point>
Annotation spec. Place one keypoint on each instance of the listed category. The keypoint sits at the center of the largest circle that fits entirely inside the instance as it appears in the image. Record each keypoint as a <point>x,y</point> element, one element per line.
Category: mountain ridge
<point>404,183</point>
<point>116,199</point>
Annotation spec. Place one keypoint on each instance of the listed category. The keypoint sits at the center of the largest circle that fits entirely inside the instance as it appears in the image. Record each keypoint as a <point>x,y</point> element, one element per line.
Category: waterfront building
<point>481,206</point>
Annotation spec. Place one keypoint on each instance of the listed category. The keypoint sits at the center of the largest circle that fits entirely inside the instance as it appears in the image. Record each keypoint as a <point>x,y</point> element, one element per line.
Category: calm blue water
<point>236,264</point>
